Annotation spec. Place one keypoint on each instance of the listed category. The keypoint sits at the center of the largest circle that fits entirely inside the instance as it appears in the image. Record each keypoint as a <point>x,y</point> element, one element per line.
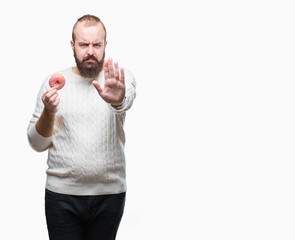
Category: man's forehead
<point>85,30</point>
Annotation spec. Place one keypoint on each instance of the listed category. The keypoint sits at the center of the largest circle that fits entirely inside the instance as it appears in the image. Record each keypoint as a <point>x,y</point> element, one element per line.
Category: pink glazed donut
<point>58,80</point>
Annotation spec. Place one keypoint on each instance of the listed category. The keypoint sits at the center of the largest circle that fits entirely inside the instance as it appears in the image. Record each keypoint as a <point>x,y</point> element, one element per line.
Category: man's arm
<point>40,129</point>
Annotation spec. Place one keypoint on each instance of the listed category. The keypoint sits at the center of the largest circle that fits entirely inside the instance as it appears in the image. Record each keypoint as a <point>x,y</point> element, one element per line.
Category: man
<point>81,125</point>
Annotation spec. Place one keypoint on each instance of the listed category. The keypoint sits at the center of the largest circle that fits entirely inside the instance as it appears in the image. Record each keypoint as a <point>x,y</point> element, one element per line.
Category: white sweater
<point>86,150</point>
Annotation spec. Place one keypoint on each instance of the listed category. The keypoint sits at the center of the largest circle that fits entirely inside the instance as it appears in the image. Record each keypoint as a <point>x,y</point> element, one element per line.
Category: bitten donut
<point>58,80</point>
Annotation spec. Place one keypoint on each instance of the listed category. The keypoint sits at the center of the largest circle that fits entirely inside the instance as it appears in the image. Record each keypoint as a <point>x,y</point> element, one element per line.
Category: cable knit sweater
<point>86,150</point>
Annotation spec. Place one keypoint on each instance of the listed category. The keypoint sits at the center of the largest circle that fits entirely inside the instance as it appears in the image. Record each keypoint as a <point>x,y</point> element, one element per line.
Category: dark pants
<point>83,217</point>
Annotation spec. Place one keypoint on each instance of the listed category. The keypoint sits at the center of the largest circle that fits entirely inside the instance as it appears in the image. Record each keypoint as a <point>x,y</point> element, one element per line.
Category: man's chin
<point>89,69</point>
<point>90,65</point>
<point>90,72</point>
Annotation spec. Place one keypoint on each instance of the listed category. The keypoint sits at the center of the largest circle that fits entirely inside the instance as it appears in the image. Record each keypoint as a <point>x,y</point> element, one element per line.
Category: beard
<point>89,69</point>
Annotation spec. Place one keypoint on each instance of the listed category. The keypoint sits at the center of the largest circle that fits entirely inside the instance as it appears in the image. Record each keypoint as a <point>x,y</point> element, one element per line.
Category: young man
<point>81,126</point>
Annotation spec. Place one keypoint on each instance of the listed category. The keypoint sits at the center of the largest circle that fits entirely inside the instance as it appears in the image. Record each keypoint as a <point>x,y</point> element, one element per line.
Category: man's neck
<point>76,71</point>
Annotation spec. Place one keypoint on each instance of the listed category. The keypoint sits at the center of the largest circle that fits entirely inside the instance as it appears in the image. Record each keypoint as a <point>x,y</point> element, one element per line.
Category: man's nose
<point>90,50</point>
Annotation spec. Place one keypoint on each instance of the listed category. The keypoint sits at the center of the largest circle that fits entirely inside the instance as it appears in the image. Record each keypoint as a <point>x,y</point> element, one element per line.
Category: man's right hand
<point>45,124</point>
<point>50,100</point>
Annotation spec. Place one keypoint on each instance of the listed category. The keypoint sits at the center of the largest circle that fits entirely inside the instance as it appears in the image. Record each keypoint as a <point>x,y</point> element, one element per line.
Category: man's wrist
<point>118,105</point>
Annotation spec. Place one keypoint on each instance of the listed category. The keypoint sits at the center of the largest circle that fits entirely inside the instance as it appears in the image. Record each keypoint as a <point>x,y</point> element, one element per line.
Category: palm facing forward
<point>114,85</point>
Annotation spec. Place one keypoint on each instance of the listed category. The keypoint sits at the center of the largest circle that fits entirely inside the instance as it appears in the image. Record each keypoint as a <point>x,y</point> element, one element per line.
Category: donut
<point>58,80</point>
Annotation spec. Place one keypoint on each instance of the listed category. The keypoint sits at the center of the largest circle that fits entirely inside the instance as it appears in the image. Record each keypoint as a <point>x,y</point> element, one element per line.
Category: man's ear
<point>72,44</point>
<point>105,43</point>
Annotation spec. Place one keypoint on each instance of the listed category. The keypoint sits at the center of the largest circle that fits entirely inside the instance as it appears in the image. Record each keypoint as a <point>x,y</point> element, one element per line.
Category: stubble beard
<point>89,69</point>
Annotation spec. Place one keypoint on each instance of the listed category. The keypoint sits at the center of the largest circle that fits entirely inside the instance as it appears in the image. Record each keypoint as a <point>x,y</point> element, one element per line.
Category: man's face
<point>89,49</point>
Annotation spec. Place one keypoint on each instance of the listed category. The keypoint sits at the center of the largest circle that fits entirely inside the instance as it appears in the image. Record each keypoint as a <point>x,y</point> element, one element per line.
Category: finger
<point>111,69</point>
<point>116,72</point>
<point>106,70</point>
<point>122,76</point>
<point>52,103</point>
<point>48,94</point>
<point>53,98</point>
<point>56,102</point>
<point>107,62</point>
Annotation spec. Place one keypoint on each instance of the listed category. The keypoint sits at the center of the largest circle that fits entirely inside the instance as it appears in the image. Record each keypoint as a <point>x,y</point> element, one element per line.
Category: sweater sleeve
<point>130,95</point>
<point>37,141</point>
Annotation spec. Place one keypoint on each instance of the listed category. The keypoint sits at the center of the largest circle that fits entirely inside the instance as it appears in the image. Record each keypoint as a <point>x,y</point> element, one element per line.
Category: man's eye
<point>97,45</point>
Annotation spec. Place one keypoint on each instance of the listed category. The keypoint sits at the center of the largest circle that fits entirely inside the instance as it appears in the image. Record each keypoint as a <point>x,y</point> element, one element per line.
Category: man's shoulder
<point>128,72</point>
<point>129,76</point>
<point>63,72</point>
<point>66,71</point>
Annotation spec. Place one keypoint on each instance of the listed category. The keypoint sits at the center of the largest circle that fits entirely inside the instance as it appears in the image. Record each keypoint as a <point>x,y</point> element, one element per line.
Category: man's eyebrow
<point>95,42</point>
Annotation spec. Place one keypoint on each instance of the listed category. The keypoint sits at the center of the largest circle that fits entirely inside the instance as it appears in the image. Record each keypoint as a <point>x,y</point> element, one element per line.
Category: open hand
<point>114,86</point>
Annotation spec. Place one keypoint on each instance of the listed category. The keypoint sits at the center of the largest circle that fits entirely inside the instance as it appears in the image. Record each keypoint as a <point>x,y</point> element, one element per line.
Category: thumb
<point>97,86</point>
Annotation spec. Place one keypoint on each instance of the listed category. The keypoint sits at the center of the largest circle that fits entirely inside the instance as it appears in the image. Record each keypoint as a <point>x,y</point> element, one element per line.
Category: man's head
<point>88,43</point>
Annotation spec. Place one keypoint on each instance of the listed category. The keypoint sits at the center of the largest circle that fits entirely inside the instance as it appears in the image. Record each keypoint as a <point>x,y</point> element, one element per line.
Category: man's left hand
<point>114,85</point>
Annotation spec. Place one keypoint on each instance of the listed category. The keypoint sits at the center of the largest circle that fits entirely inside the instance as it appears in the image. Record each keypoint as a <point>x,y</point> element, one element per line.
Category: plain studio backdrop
<point>210,137</point>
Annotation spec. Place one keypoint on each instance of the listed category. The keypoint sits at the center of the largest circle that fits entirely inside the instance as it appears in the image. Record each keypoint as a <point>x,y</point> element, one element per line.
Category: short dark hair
<point>91,20</point>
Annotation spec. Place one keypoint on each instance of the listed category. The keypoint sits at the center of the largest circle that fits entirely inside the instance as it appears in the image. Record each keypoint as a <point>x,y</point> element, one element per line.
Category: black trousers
<point>83,217</point>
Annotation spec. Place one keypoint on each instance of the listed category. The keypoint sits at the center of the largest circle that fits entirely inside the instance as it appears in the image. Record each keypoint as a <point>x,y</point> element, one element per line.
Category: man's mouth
<point>90,60</point>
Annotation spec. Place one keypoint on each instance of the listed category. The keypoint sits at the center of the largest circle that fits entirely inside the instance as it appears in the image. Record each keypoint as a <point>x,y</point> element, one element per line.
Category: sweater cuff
<point>120,107</point>
<point>37,141</point>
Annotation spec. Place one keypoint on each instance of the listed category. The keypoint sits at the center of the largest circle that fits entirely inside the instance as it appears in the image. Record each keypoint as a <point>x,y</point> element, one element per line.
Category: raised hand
<point>114,86</point>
